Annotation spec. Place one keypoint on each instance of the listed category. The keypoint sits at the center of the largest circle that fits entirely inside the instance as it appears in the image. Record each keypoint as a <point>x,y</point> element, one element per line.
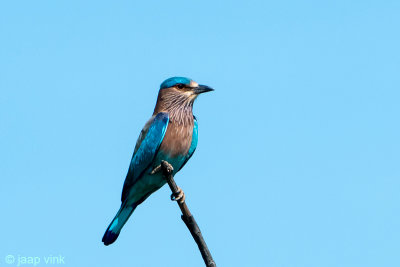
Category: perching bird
<point>170,135</point>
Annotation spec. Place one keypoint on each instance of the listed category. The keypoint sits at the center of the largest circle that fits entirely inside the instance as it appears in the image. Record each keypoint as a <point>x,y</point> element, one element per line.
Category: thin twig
<point>187,217</point>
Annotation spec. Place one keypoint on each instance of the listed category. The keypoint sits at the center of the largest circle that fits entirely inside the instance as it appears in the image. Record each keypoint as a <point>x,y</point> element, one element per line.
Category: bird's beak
<point>202,89</point>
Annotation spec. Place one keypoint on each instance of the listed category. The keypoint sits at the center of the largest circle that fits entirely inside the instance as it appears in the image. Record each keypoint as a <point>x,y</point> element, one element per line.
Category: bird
<point>170,135</point>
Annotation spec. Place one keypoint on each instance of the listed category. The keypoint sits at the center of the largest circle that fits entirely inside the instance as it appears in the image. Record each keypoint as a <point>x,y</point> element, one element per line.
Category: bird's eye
<point>180,86</point>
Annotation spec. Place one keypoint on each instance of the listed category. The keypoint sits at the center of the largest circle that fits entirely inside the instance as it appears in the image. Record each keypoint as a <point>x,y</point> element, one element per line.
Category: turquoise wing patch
<point>146,152</point>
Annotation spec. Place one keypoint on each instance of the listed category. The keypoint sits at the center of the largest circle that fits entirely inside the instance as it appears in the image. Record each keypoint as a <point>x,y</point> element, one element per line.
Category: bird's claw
<point>167,169</point>
<point>164,165</point>
<point>156,169</point>
<point>167,166</point>
<point>179,196</point>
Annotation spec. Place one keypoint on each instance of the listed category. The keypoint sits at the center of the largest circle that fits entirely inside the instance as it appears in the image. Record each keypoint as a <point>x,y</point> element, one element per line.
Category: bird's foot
<point>179,196</point>
<point>165,165</point>
<point>156,170</point>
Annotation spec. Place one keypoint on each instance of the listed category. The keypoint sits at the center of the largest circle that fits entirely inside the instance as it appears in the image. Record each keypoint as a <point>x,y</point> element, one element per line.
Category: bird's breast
<point>177,139</point>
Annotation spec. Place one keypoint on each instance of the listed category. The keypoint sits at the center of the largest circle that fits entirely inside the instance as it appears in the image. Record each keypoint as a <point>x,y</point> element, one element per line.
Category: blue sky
<point>298,155</point>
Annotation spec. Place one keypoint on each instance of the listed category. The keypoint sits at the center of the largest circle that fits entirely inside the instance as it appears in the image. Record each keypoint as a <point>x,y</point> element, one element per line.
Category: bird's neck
<point>179,107</point>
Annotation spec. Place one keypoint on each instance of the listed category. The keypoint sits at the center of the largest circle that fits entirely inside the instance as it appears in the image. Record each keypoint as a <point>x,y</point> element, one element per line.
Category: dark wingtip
<point>109,238</point>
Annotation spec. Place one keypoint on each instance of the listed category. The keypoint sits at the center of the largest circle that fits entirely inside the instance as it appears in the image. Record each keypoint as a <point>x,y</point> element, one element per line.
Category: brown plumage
<point>179,106</point>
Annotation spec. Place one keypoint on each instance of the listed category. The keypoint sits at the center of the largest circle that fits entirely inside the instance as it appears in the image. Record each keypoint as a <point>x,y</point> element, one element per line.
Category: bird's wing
<point>193,145</point>
<point>145,150</point>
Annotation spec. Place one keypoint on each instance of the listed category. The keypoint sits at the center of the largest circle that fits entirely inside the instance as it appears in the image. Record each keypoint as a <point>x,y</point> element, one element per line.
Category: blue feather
<point>117,223</point>
<point>173,81</point>
<point>148,148</point>
<point>142,159</point>
<point>146,152</point>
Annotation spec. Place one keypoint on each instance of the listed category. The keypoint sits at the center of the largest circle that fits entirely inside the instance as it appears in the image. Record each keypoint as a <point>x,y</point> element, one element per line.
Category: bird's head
<point>177,95</point>
<point>184,86</point>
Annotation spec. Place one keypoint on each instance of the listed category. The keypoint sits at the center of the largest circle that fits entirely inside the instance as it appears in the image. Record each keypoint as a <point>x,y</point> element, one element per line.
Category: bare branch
<point>187,217</point>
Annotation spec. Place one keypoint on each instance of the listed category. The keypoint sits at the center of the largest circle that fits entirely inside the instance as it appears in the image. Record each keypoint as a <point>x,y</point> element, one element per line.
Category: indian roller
<point>170,135</point>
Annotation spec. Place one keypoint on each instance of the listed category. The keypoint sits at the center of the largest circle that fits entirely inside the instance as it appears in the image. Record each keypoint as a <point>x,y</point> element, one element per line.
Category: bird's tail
<point>117,223</point>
